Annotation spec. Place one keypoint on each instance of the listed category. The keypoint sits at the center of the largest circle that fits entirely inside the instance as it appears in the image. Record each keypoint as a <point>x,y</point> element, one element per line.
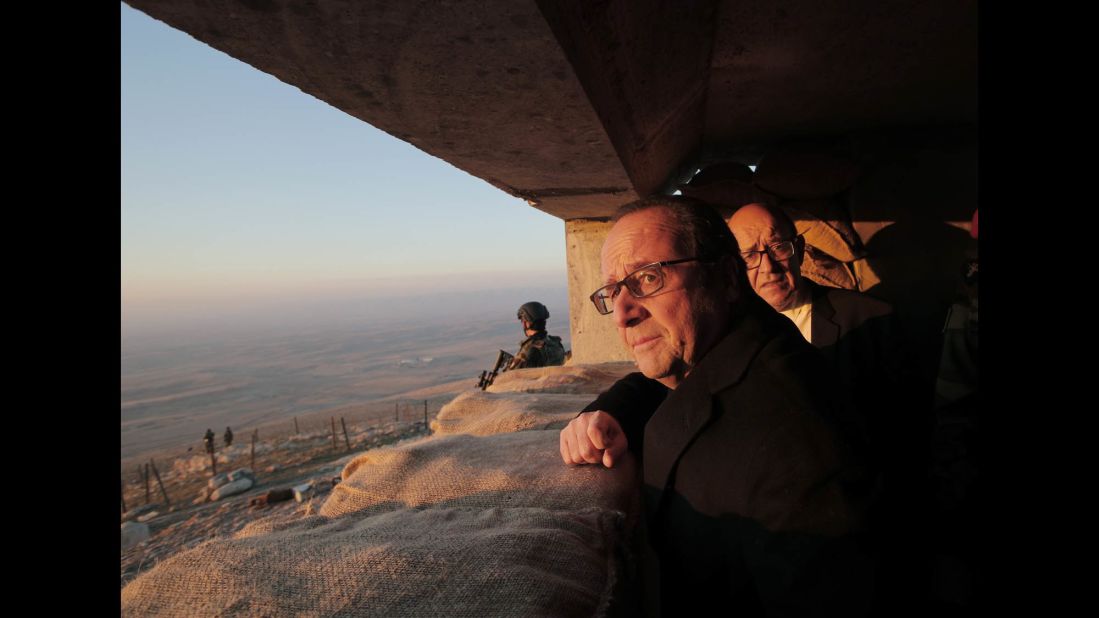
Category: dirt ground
<point>190,519</point>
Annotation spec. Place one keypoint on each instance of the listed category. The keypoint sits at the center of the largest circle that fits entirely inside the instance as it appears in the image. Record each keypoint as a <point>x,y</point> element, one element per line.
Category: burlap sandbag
<point>827,251</point>
<point>827,227</point>
<point>517,469</point>
<point>436,562</point>
<point>824,269</point>
<point>480,413</point>
<point>565,379</point>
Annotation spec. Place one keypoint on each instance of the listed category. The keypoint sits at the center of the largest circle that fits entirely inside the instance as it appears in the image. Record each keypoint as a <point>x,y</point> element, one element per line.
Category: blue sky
<point>236,185</point>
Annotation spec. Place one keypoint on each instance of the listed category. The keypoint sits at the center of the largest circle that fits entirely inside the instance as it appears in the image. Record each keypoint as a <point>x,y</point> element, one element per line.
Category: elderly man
<point>750,492</point>
<point>857,332</point>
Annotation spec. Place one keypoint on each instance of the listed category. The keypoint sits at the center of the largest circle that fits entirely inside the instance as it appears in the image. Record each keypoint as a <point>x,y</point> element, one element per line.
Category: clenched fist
<point>591,438</point>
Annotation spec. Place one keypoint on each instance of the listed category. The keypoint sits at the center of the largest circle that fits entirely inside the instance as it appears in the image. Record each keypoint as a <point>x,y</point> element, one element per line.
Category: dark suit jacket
<point>750,493</point>
<point>860,335</point>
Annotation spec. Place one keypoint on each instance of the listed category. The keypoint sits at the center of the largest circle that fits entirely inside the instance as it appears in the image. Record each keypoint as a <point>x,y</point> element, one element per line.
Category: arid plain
<point>171,391</point>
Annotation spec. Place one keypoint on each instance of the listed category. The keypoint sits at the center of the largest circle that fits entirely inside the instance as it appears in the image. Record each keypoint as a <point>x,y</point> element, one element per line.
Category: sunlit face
<point>775,282</point>
<point>669,332</point>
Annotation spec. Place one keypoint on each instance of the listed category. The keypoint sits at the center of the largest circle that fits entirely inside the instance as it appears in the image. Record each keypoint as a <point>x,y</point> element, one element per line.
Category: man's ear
<point>799,248</point>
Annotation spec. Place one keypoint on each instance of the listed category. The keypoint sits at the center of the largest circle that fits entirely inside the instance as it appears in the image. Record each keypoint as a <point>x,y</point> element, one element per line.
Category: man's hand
<point>591,438</point>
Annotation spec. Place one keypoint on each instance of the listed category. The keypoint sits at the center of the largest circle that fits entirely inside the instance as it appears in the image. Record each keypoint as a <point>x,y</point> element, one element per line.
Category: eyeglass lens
<point>640,283</point>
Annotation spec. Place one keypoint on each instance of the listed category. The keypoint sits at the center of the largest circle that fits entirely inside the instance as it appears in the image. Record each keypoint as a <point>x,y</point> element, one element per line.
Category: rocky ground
<point>191,518</point>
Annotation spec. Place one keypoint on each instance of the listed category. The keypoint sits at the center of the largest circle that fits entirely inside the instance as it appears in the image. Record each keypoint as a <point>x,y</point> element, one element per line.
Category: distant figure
<point>540,349</point>
<point>208,439</point>
<point>228,436</point>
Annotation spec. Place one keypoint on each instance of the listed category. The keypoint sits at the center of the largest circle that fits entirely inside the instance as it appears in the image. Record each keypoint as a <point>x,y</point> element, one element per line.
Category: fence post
<point>396,412</point>
<point>255,434</point>
<point>145,477</point>
<point>346,440</point>
<point>158,482</point>
<point>334,443</point>
<point>425,414</point>
<point>296,430</point>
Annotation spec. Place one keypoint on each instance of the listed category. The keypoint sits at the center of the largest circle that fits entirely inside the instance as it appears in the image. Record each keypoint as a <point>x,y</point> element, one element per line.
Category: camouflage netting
<point>518,469</point>
<point>447,562</point>
<point>479,413</point>
<point>567,379</point>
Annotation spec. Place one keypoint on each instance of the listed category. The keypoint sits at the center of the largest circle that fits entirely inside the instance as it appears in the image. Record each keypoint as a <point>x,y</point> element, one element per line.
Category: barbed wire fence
<point>358,418</point>
<point>346,428</point>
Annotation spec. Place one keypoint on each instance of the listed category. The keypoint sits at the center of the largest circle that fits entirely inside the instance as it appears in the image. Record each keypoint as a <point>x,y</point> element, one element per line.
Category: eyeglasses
<point>645,281</point>
<point>778,252</point>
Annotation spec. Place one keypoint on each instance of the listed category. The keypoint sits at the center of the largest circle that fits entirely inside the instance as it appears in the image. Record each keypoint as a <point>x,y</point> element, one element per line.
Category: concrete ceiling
<point>579,106</point>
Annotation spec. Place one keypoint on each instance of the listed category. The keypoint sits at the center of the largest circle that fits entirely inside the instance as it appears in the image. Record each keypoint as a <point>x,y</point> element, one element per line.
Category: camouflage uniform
<point>539,350</point>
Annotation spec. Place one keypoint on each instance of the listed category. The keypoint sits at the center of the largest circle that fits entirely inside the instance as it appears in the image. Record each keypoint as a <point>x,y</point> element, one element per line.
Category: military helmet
<point>533,312</point>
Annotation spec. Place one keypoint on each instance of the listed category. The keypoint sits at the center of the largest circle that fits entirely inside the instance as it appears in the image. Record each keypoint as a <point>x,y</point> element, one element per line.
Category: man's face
<point>667,333</point>
<point>777,283</point>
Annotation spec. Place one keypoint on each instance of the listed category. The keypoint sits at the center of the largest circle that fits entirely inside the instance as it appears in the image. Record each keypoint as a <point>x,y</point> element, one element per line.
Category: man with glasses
<point>750,489</point>
<point>773,252</point>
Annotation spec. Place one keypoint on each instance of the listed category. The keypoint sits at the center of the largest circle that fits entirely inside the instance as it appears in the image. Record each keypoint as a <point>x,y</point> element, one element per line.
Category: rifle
<point>487,377</point>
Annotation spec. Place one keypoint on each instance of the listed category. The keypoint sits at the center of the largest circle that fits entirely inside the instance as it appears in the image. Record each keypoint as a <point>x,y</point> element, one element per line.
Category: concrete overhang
<point>579,106</point>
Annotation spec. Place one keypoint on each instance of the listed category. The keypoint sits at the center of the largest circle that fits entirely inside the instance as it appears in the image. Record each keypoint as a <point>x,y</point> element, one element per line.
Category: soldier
<point>208,439</point>
<point>540,349</point>
<point>228,436</point>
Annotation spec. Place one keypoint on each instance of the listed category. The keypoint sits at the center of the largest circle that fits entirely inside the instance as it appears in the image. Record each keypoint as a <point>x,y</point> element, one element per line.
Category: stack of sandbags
<point>462,525</point>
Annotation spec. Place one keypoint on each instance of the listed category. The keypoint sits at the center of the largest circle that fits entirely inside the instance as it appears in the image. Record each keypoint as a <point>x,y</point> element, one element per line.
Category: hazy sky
<point>238,186</point>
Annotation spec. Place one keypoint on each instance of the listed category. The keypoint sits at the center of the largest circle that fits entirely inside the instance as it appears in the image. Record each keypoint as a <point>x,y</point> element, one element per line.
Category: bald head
<point>759,216</point>
<point>761,229</point>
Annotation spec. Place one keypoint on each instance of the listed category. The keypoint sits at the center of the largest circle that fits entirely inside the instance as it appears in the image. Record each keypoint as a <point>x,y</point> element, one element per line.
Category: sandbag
<point>520,469</point>
<point>482,413</point>
<point>436,562</point>
<point>565,379</point>
<point>826,226</point>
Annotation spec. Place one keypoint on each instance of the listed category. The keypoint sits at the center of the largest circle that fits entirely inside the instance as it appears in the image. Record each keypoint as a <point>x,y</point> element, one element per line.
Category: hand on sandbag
<point>591,438</point>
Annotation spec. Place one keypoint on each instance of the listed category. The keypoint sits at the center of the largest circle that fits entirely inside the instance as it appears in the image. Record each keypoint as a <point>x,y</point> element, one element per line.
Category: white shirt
<point>802,317</point>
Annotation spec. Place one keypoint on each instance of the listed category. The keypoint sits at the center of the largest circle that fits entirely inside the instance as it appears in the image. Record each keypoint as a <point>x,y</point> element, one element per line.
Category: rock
<point>133,533</point>
<point>218,481</point>
<point>231,489</point>
<point>279,495</point>
<point>147,516</point>
<point>303,492</point>
<point>271,468</point>
<point>138,511</point>
<point>240,473</point>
